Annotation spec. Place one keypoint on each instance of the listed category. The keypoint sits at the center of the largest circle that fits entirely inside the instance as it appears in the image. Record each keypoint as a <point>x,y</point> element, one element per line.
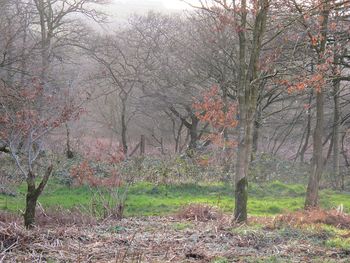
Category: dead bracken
<point>316,216</point>
<point>154,239</point>
<point>200,212</point>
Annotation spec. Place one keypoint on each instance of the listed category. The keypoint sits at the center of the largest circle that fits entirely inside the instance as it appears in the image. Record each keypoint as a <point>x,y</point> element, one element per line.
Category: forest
<point>217,134</point>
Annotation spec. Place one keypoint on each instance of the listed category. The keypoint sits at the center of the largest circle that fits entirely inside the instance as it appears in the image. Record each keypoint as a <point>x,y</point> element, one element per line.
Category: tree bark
<point>29,214</point>
<point>69,151</point>
<point>191,127</point>
<point>44,12</point>
<point>124,128</point>
<point>32,196</point>
<point>311,200</point>
<point>193,133</point>
<point>336,134</point>
<point>308,130</point>
<point>142,145</point>
<point>177,137</point>
<point>257,124</point>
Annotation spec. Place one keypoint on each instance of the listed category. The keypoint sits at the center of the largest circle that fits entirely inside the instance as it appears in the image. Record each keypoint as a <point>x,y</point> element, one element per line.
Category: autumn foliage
<point>84,173</point>
<point>220,115</point>
<point>30,112</point>
<point>315,81</point>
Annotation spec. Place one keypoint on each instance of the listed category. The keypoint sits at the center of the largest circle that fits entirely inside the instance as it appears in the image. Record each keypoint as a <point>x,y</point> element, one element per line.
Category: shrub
<point>99,171</point>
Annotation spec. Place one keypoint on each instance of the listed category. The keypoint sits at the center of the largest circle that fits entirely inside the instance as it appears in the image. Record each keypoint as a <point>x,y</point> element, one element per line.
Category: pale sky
<point>125,7</point>
<point>155,4</point>
<point>175,4</point>
<point>120,10</point>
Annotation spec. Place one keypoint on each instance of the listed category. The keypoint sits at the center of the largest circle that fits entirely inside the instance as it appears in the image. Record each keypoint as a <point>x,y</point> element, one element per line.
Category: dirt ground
<point>165,239</point>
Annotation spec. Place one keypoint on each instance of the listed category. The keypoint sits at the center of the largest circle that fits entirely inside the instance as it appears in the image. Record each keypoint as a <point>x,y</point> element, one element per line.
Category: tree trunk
<point>336,134</point>
<point>124,129</point>
<point>311,200</point>
<point>29,214</point>
<point>32,196</point>
<point>69,151</point>
<point>227,160</point>
<point>24,50</point>
<point>347,164</point>
<point>45,38</point>
<point>308,130</point>
<point>142,145</point>
<point>257,124</point>
<point>241,182</point>
<point>247,98</point>
<point>193,132</point>
<point>177,137</point>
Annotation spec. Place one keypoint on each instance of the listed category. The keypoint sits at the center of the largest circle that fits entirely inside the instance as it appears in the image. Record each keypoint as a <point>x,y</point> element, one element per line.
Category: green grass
<point>181,226</point>
<point>338,242</point>
<point>148,199</point>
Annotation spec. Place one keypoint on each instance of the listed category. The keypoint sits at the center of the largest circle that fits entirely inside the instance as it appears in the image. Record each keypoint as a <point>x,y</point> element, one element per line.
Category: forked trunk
<point>32,196</point>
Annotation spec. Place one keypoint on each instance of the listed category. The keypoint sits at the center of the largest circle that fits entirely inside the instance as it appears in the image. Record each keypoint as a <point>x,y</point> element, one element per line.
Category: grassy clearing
<point>150,199</point>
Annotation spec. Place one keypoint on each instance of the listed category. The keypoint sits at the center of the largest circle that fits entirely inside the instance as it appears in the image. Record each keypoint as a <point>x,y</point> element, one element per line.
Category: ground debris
<point>154,239</point>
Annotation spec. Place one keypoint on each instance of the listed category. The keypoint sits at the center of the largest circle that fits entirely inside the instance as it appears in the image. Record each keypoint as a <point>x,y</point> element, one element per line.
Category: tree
<point>119,74</point>
<point>172,77</point>
<point>318,20</point>
<point>59,26</point>
<point>28,115</point>
<point>245,17</point>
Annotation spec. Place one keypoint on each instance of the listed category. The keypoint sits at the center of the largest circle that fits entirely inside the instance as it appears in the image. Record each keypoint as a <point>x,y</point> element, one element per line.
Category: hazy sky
<point>126,7</point>
<point>174,4</point>
<point>155,4</point>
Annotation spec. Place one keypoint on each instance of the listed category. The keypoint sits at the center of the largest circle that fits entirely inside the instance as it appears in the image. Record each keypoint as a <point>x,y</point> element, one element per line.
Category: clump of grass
<point>274,209</point>
<point>247,229</point>
<point>220,260</point>
<point>338,242</point>
<point>181,226</point>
